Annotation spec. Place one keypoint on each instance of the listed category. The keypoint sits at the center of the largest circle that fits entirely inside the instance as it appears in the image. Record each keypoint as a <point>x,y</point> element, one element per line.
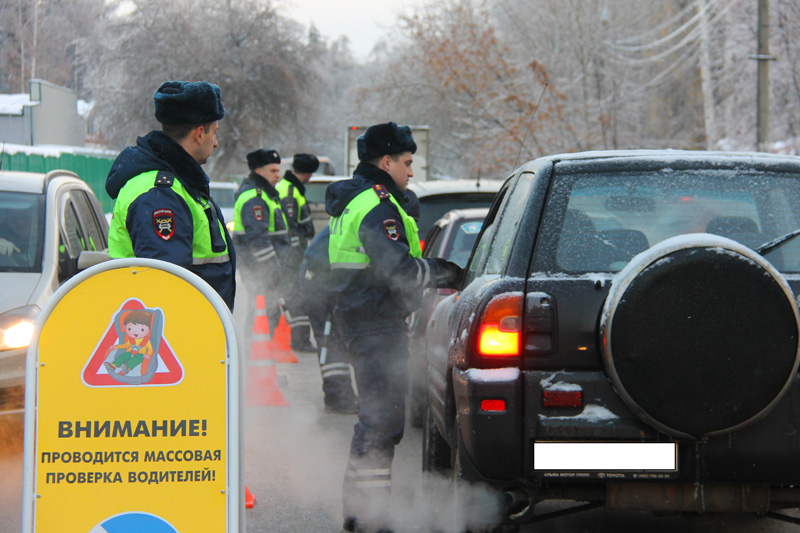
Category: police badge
<point>258,213</point>
<point>390,228</point>
<point>164,223</point>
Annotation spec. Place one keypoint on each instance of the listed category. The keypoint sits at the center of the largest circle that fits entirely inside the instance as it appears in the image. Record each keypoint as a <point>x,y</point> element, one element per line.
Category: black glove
<point>450,275</point>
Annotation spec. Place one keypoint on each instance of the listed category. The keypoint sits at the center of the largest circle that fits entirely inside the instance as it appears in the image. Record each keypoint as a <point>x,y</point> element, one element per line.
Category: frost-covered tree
<point>453,74</point>
<point>260,59</point>
<point>38,40</point>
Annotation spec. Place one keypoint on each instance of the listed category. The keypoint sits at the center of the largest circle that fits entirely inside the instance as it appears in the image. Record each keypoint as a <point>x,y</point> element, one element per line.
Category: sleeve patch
<point>381,191</point>
<point>390,229</point>
<point>258,212</point>
<point>164,223</point>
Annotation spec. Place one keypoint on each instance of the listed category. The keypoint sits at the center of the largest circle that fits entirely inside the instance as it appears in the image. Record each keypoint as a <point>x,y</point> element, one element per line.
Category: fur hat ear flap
<point>305,163</point>
<point>182,102</point>
<point>385,139</point>
<point>259,158</point>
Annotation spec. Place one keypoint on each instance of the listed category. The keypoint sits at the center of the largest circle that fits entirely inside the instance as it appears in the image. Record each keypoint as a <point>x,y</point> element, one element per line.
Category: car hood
<point>17,289</point>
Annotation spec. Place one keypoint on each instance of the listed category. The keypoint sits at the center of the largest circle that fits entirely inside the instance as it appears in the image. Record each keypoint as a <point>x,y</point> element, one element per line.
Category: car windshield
<point>464,236</point>
<point>433,207</point>
<point>21,232</point>
<point>606,219</point>
<point>223,196</point>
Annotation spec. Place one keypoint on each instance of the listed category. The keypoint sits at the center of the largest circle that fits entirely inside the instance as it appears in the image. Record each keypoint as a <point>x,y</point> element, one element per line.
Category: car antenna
<point>535,109</point>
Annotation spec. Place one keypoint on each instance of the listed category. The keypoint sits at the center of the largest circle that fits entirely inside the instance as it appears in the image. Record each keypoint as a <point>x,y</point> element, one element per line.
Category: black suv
<point>627,336</point>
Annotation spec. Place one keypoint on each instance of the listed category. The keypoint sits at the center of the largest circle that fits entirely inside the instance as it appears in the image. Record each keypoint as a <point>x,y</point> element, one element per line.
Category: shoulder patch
<point>258,213</point>
<point>381,191</point>
<point>164,223</point>
<point>164,179</point>
<point>390,229</point>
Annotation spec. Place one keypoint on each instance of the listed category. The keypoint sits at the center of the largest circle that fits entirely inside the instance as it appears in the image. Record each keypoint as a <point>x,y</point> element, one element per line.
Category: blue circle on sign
<point>134,523</point>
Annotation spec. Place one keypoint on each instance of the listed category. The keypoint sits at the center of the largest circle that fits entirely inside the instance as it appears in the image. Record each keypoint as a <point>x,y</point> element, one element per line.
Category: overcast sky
<point>364,22</point>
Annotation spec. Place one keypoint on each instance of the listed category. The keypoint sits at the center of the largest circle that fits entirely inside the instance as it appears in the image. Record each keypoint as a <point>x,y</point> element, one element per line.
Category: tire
<point>436,452</point>
<point>700,336</point>
<point>476,508</point>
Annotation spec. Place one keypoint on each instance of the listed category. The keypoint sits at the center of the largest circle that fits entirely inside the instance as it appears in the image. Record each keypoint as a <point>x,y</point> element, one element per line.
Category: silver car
<point>51,227</point>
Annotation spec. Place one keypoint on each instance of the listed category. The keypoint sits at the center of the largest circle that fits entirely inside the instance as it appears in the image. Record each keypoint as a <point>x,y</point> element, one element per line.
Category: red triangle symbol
<point>104,369</point>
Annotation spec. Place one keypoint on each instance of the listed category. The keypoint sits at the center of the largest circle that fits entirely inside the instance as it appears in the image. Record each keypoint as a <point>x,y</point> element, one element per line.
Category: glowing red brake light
<point>495,406</point>
<point>499,333</point>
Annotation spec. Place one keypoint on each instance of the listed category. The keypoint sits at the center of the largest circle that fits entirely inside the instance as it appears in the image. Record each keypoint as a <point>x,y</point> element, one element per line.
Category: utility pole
<point>762,90</point>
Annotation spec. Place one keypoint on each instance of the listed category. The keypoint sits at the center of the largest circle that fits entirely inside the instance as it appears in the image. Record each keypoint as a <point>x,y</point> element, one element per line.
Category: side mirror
<point>88,259</point>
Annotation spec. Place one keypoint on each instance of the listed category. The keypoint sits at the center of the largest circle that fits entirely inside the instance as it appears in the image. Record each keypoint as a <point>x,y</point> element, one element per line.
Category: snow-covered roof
<point>13,104</point>
<point>84,108</point>
<point>55,150</point>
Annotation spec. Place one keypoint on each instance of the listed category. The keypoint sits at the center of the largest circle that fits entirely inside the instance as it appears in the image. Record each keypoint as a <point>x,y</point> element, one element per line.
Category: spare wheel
<point>700,336</point>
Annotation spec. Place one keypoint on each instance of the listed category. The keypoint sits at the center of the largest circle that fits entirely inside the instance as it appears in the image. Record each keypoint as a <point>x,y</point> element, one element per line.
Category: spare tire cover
<point>700,336</point>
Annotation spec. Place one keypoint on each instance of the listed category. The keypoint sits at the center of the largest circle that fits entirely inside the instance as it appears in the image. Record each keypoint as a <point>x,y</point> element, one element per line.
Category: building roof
<point>13,104</point>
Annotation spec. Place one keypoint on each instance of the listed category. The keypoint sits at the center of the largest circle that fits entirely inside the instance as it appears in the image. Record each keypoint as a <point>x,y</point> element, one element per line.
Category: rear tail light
<point>493,406</point>
<point>562,398</point>
<point>500,329</point>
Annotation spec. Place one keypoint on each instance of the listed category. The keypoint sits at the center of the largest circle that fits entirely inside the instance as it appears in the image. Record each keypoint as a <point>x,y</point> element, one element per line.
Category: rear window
<point>600,221</point>
<point>433,207</point>
<point>22,231</point>
<point>223,196</point>
<point>463,239</point>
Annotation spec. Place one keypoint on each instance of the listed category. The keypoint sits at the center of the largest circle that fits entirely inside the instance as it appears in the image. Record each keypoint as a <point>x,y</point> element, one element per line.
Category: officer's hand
<point>450,274</point>
<point>8,247</point>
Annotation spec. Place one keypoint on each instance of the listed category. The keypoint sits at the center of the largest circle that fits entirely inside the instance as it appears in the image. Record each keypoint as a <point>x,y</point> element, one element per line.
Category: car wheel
<point>476,508</point>
<point>416,408</point>
<point>436,453</point>
<point>700,336</point>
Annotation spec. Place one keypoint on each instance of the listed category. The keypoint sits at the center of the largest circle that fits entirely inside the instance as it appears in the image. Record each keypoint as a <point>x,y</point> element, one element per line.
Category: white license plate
<point>605,456</point>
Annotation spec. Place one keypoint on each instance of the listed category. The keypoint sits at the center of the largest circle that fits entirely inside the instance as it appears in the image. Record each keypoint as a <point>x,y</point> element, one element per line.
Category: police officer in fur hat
<point>292,191</point>
<point>261,231</point>
<point>378,274</point>
<point>163,207</point>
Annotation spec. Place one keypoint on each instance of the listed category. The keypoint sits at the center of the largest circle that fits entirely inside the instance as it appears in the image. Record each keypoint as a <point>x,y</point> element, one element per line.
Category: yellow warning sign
<point>132,419</point>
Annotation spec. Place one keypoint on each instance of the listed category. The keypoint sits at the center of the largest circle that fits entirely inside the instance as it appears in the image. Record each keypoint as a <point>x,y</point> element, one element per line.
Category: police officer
<point>260,230</point>
<point>337,386</point>
<point>163,208</point>
<point>292,191</point>
<point>379,276</point>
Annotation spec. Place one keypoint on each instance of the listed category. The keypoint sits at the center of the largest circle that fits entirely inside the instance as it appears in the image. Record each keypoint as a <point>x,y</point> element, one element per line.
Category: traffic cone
<point>260,347</point>
<point>281,344</point>
<point>249,498</point>
<point>262,384</point>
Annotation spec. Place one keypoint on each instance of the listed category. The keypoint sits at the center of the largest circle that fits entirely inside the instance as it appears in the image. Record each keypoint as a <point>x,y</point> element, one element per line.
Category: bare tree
<point>259,59</point>
<point>38,40</point>
<point>452,74</point>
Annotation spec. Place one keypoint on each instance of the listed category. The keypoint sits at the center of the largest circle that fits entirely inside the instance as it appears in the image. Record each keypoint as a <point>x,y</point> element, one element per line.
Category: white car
<point>437,197</point>
<point>51,228</point>
<point>224,195</point>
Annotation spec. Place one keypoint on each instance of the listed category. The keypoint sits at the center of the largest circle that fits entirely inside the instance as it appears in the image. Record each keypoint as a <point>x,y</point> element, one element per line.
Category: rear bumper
<point>500,446</point>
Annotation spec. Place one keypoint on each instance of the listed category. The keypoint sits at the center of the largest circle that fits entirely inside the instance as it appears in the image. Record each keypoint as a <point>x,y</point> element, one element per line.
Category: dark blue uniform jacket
<point>157,151</point>
<point>391,288</point>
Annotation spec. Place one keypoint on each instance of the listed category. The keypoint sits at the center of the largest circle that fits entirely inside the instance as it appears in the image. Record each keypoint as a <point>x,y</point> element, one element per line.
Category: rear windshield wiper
<point>769,246</point>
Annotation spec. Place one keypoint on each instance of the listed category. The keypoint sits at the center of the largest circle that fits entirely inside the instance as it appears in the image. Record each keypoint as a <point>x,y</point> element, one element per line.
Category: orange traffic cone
<point>260,343</point>
<point>249,498</point>
<point>281,344</point>
<point>262,384</point>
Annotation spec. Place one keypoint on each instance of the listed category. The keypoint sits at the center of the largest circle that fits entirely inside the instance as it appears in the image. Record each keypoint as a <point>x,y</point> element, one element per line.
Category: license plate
<point>605,457</point>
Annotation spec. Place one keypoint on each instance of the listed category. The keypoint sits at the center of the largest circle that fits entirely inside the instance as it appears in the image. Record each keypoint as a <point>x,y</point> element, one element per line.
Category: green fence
<point>92,170</point>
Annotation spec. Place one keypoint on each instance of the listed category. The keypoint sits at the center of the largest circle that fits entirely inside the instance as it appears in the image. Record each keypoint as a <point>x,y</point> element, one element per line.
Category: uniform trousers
<point>378,351</point>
